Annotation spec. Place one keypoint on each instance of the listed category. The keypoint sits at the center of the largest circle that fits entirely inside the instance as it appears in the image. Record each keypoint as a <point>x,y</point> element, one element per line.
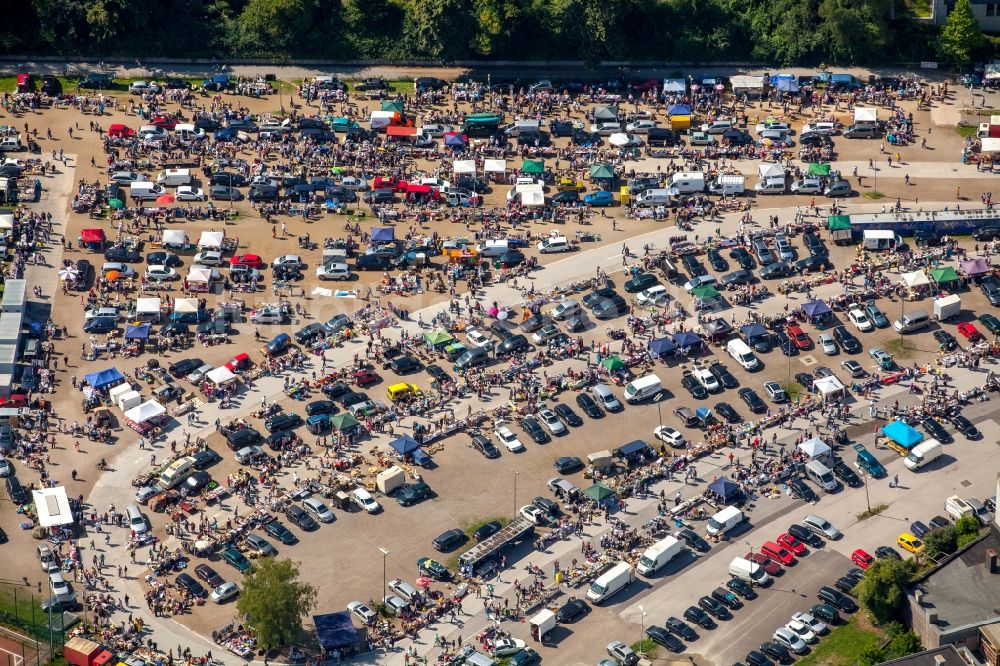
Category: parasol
<point>68,274</point>
<point>116,204</point>
<point>719,86</point>
<point>423,581</point>
<point>694,87</point>
<point>618,139</point>
<point>165,199</point>
<point>112,275</point>
<point>494,311</point>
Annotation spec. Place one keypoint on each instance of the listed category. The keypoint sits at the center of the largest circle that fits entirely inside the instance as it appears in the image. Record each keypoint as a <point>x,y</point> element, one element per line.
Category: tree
<point>273,602</point>
<point>960,37</point>
<point>273,28</point>
<point>902,644</point>
<point>967,528</point>
<point>881,590</point>
<point>439,29</point>
<point>941,541</point>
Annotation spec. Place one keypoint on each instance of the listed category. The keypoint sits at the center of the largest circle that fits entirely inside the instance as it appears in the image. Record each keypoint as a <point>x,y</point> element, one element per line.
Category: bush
<point>881,590</point>
<point>941,541</point>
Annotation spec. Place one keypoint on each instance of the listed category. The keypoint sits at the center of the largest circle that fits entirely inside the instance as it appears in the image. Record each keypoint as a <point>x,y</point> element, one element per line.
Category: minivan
<point>763,252</point>
<point>742,354</point>
<point>318,510</point>
<point>471,358</point>
<point>651,198</point>
<point>136,521</point>
<point>554,244</point>
<point>521,126</point>
<point>364,499</point>
<point>146,191</point>
<point>912,321</point>
<point>565,309</point>
<point>821,475</point>
<point>606,398</point>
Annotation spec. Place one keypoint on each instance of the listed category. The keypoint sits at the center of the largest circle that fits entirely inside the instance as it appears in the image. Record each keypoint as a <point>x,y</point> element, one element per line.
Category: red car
<point>771,567</point>
<point>364,377</point>
<point>862,559</point>
<point>240,363</point>
<point>166,122</point>
<point>389,183</point>
<point>644,86</point>
<point>798,337</point>
<point>120,131</point>
<point>25,83</point>
<point>970,332</point>
<point>251,260</point>
<point>791,543</point>
<point>777,553</point>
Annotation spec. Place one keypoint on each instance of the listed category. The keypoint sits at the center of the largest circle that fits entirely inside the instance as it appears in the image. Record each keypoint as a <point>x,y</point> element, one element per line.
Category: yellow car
<point>403,391</point>
<point>907,541</point>
<point>570,185</point>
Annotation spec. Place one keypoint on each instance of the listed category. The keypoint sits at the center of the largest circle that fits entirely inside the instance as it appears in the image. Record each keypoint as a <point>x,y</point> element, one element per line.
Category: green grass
<point>470,529</point>
<point>399,86</point>
<point>646,647</point>
<point>793,390</point>
<point>919,8</point>
<point>900,348</point>
<point>19,615</point>
<point>873,194</point>
<point>874,511</point>
<point>966,132</point>
<point>842,646</point>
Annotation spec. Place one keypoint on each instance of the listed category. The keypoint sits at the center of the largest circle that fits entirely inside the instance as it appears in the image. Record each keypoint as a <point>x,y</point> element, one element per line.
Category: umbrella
<point>719,86</point>
<point>613,363</point>
<point>423,581</point>
<point>68,274</point>
<point>116,203</point>
<point>165,199</point>
<point>113,275</point>
<point>695,86</point>
<point>618,139</point>
<point>705,292</point>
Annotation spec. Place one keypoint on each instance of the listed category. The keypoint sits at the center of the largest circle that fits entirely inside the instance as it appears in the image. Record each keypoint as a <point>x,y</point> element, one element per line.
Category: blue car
<point>599,199</point>
<point>868,462</point>
<point>225,134</point>
<point>278,345</point>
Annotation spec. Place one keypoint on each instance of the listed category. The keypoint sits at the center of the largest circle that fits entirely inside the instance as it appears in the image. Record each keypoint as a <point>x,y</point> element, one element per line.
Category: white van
<point>493,248</point>
<point>821,475</point>
<point>136,521</point>
<point>174,177</point>
<point>728,185</point>
<point>521,127</point>
<point>748,571</point>
<point>724,520</point>
<point>958,507</point>
<point>187,131</point>
<point>742,354</point>
<point>687,182</point>
<point>921,454</point>
<point>554,244</point>
<point>912,321</point>
<point>145,191</point>
<point>364,499</point>
<point>643,388</point>
<point>881,239</point>
<point>652,198</point>
<point>612,580</point>
<point>381,119</point>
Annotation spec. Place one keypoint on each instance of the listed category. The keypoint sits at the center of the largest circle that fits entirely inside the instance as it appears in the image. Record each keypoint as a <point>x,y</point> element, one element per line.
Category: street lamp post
<point>385,554</point>
<point>642,629</point>
<point>515,491</point>
<point>864,480</point>
<point>659,414</point>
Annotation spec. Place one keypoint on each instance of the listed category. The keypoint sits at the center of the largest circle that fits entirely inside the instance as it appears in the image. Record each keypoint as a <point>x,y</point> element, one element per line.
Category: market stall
<point>146,416</point>
<point>200,279</point>
<point>830,388</point>
<point>916,283</point>
<point>221,376</point>
<point>814,449</point>
<point>175,239</point>
<point>148,309</point>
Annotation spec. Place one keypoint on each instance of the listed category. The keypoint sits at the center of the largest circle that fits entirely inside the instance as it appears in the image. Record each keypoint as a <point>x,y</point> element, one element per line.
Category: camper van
<point>178,470</point>
<point>687,182</point>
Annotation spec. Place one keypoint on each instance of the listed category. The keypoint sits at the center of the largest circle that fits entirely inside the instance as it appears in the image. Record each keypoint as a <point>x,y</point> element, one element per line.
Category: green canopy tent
<point>602,172</point>
<point>437,338</point>
<point>599,493</point>
<point>705,293</point>
<point>838,223</point>
<point>819,170</point>
<point>533,167</point>
<point>344,422</point>
<point>395,107</point>
<point>116,203</point>
<point>944,275</point>
<point>613,363</point>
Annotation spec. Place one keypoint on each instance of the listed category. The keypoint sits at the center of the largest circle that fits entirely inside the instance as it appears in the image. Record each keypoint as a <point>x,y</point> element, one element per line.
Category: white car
<point>508,439</point>
<point>123,270</point>
<point>152,133</point>
<point>434,131</point>
<point>860,320</point>
<point>268,315</point>
<point>545,333</point>
<point>5,468</point>
<point>533,513</point>
<point>128,177</point>
<point>827,344</point>
<point>333,271</point>
<point>248,453</point>
<point>146,493</point>
<point>707,379</point>
<point>641,126</point>
<point>477,338</point>
<point>188,193</point>
<point>818,627</point>
<point>656,295</point>
<point>225,592</point>
<point>819,128</point>
<point>669,436</point>
<point>606,129</point>
<point>287,260</point>
<point>787,638</point>
<point>394,604</point>
<point>210,258</point>
<point>808,186</point>
<point>354,184</point>
<point>802,631</point>
<point>785,128</point>
<point>551,421</point>
<point>200,373</point>
<point>139,87</point>
<point>775,392</point>
<point>318,509</point>
<point>700,281</point>
<point>160,273</point>
<point>506,647</point>
<point>361,611</point>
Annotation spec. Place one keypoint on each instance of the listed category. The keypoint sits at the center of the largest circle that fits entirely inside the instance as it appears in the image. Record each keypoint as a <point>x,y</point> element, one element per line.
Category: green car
<point>413,493</point>
<point>233,556</point>
<point>990,322</point>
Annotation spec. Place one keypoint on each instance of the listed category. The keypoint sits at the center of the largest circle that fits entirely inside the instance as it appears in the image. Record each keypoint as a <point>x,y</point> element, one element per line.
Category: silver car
<point>551,421</point>
<point>821,526</point>
<point>808,186</point>
<point>394,604</point>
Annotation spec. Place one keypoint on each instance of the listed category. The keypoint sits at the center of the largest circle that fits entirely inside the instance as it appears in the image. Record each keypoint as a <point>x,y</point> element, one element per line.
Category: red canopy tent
<point>93,238</point>
<point>401,132</point>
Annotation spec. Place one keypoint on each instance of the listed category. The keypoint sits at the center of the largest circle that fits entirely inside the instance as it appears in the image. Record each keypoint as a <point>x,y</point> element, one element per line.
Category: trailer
<point>941,223</point>
<point>485,555</point>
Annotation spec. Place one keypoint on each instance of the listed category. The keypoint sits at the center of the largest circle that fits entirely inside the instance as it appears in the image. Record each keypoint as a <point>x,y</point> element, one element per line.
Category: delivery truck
<point>725,520</point>
<point>749,572</point>
<point>947,307</point>
<point>659,554</point>
<point>921,454</point>
<point>610,582</point>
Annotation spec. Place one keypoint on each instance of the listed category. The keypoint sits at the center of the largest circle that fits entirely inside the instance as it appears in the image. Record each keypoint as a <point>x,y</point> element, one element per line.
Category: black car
<point>320,407</point>
<point>187,583</point>
<point>815,140</point>
<point>726,411</point>
<point>581,138</point>
<point>280,532</point>
<point>513,344</point>
<point>805,535</point>
<point>352,398</point>
<point>568,416</point>
<point>843,472</point>
<point>205,458</point>
<point>335,390</point>
<point>373,262</point>
<point>744,258</point>
<point>537,139</point>
<point>566,198</point>
<point>699,617</point>
<point>598,295</point>
<point>946,341</point>
<point>937,522</point>
<point>262,193</point>
<point>778,269</point>
<point>184,367</point>
<point>737,137</point>
<point>561,128</point>
<point>936,430</point>
<point>510,258</point>
<point>243,125</point>
<point>238,439</point>
<point>402,365</point>
<point>283,422</point>
<point>681,628</point>
<point>886,553</point>
<point>661,636</point>
<point>964,426</point>
<point>567,464</point>
<point>737,278</point>
<point>986,233</point>
<point>806,380</point>
<point>752,400</point>
<point>693,266</point>
<point>424,83</point>
<point>534,430</point>
<point>691,538</point>
<point>717,609</point>
<point>813,264</point>
<point>485,446</point>
<point>195,483</point>
<point>776,651</point>
<point>694,387</point>
<point>589,406</point>
<point>207,124</point>
<point>122,254</point>
<point>450,540</point>
<point>280,439</point>
<point>438,373</point>
<point>846,340</point>
<point>855,574</point>
<point>162,258</point>
<point>802,490</point>
<point>741,587</point>
<point>641,282</point>
<point>372,83</point>
<point>825,612</point>
<point>718,262</point>
<point>836,599</point>
<point>571,610</point>
<point>990,286</point>
<point>723,376</point>
<point>51,85</point>
<point>755,658</point>
<point>845,584</point>
<point>487,530</point>
<point>727,598</point>
<point>309,332</point>
<point>100,325</point>
<point>783,342</point>
<point>228,179</point>
<point>298,516</point>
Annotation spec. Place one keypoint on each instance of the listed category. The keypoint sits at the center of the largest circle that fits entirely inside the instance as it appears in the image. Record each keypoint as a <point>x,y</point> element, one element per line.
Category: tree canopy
<point>273,602</point>
<point>881,590</point>
<point>961,37</point>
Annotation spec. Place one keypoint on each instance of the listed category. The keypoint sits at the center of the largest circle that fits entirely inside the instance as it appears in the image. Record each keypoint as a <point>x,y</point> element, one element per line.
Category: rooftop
<point>946,655</point>
<point>963,591</point>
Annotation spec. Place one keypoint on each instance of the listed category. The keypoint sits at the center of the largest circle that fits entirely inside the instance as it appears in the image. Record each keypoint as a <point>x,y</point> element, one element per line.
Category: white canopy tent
<point>145,412</point>
<point>533,198</point>
<point>465,166</point>
<point>770,170</point>
<point>865,115</point>
<point>211,240</point>
<point>185,305</point>
<point>220,376</point>
<point>202,274</point>
<point>52,506</point>
<point>7,221</point>
<point>742,82</point>
<point>495,166</point>
<point>674,86</point>
<point>830,388</point>
<point>147,305</point>
<point>175,238</point>
<point>814,448</point>
<point>915,279</point>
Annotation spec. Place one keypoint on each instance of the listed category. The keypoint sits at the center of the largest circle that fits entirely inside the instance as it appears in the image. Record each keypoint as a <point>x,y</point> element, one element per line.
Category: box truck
<point>725,520</point>
<point>610,582</point>
<point>921,454</point>
<point>659,554</point>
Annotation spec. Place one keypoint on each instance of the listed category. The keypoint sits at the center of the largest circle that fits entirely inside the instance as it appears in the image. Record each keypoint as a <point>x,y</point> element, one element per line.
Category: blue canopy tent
<point>336,631</point>
<point>686,339</point>
<point>902,434</point>
<point>455,140</point>
<point>405,445</point>
<point>383,234</point>
<point>728,490</point>
<point>104,378</point>
<point>785,83</point>
<point>137,332</point>
<point>817,311</point>
<point>662,346</point>
<point>679,110</point>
